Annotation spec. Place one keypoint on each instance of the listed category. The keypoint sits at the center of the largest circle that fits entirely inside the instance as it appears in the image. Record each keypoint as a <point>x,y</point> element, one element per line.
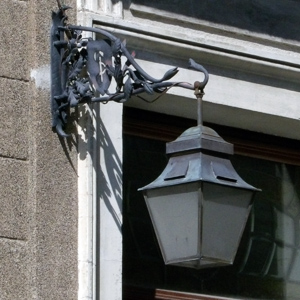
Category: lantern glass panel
<point>175,214</point>
<point>225,212</point>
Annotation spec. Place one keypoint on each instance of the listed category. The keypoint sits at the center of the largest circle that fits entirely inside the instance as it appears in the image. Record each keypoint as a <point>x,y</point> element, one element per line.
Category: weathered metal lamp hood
<point>199,205</point>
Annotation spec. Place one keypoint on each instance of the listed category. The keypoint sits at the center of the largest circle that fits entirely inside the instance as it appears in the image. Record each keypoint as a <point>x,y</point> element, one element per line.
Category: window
<point>267,265</point>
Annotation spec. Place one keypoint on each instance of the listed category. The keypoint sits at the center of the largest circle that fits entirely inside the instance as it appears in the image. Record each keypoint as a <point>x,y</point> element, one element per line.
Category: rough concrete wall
<point>38,190</point>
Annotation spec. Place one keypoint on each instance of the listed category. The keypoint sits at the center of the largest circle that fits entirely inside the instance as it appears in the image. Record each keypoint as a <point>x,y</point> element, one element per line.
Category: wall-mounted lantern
<point>198,205</point>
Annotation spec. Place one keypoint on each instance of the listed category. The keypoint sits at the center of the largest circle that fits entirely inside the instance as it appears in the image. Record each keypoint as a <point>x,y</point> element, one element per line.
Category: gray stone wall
<point>38,187</point>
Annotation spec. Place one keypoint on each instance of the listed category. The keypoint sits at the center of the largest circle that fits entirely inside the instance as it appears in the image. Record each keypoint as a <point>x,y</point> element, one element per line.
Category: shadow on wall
<point>109,179</point>
<point>113,172</point>
<point>278,18</point>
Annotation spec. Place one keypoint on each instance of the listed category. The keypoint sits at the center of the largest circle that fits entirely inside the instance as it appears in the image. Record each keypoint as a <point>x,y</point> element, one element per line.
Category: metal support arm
<point>82,70</point>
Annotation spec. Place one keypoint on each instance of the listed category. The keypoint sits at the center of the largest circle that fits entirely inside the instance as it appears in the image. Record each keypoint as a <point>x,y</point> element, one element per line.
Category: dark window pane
<point>267,265</point>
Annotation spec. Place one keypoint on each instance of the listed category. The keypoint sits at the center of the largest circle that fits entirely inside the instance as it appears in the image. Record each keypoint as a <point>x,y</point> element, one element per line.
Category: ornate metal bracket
<point>82,70</point>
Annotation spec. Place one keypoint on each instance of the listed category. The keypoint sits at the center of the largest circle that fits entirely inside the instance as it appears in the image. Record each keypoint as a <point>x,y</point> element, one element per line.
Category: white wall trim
<point>100,202</point>
<point>107,7</point>
<point>150,13</point>
<point>257,93</point>
<point>99,198</point>
<point>86,207</point>
<point>109,199</point>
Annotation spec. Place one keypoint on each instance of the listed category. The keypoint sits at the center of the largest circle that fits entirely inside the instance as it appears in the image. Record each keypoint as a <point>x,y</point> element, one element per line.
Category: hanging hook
<point>199,94</point>
<point>199,88</point>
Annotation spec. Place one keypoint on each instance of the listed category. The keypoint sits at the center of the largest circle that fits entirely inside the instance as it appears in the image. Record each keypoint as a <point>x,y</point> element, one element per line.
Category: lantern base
<point>202,263</point>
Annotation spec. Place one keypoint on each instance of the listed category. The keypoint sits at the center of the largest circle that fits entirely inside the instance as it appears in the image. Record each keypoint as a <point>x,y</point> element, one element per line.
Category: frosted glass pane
<point>282,260</point>
<point>225,212</point>
<point>295,272</point>
<point>285,229</point>
<point>175,214</point>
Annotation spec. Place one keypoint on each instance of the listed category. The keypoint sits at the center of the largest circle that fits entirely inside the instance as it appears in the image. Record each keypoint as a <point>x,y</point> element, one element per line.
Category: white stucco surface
<point>41,76</point>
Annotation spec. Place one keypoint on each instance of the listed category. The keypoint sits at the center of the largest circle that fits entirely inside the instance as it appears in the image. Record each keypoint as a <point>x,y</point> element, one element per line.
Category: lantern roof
<point>199,154</point>
<point>199,138</point>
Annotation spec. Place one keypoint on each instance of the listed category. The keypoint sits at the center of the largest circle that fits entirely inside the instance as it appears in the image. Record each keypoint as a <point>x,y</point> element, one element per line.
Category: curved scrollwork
<point>82,70</point>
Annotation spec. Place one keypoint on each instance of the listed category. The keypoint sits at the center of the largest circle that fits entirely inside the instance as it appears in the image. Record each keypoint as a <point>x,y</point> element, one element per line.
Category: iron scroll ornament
<point>82,70</point>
